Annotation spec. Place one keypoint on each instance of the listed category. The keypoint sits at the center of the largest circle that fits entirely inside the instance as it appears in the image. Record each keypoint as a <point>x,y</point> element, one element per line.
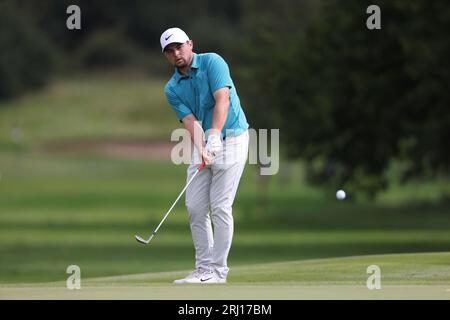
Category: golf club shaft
<point>200,167</point>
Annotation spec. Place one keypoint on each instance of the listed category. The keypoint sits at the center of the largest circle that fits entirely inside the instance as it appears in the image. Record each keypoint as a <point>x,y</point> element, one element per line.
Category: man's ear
<point>191,44</point>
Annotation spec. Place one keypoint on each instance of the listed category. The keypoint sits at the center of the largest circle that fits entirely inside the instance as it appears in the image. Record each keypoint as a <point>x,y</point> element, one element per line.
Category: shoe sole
<point>204,282</point>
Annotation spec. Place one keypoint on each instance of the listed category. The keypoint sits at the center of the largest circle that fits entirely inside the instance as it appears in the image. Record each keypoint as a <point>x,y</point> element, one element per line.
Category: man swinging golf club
<point>204,98</point>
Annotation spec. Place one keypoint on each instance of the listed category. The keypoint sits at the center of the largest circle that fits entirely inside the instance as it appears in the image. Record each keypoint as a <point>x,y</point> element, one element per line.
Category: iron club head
<point>139,239</point>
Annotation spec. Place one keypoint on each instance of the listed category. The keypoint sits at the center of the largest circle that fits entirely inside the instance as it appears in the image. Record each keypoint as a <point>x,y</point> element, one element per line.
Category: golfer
<point>204,98</point>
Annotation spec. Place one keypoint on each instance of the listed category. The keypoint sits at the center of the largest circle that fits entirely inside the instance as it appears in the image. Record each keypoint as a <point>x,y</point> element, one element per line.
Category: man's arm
<point>222,98</point>
<point>196,131</point>
<point>220,114</point>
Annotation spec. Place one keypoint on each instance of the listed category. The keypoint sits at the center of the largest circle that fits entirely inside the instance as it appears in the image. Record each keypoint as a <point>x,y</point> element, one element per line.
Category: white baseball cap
<point>173,35</point>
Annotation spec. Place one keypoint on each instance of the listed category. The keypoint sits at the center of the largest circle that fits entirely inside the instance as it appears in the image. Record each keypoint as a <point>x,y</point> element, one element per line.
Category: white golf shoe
<point>193,277</point>
<point>211,277</point>
<point>202,276</point>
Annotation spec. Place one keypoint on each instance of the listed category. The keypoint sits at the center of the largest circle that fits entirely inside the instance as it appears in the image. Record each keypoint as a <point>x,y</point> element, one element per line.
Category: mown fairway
<point>405,276</point>
<point>63,210</point>
<point>84,208</point>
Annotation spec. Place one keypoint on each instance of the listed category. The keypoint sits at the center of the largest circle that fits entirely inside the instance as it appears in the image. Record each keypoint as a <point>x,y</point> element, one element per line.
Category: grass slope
<point>94,106</point>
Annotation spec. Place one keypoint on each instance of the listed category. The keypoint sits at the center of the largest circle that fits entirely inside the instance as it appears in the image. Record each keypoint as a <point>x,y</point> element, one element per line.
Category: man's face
<point>179,54</point>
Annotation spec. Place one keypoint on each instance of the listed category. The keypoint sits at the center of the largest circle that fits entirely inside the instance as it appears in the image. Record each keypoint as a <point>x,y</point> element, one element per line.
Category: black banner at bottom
<point>226,309</point>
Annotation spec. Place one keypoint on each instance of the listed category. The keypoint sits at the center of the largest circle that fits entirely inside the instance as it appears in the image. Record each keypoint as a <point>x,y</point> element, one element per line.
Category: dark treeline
<point>35,41</point>
<point>348,100</point>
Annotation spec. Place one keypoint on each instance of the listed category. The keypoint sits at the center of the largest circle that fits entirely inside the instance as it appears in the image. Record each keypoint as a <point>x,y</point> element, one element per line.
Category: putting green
<point>403,276</point>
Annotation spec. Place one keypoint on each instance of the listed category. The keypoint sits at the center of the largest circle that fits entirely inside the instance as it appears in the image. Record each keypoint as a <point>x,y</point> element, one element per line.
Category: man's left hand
<point>213,145</point>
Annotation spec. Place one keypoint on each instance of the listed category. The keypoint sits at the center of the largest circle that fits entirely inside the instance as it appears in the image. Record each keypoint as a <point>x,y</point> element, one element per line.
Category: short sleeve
<point>180,109</point>
<point>218,73</point>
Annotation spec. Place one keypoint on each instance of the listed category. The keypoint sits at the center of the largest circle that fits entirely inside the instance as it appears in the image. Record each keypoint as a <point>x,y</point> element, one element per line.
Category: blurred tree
<point>26,56</point>
<point>350,99</point>
<point>106,49</point>
<point>267,29</point>
<point>113,33</point>
<point>212,25</point>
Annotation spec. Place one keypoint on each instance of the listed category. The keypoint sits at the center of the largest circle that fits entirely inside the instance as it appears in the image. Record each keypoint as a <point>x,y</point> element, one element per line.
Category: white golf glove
<point>212,148</point>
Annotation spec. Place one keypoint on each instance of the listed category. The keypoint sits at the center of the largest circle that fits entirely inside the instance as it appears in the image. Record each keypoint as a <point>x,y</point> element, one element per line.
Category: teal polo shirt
<point>193,93</point>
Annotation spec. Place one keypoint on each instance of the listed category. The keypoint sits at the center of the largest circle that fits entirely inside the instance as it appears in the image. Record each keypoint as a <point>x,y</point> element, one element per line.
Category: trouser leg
<point>197,203</point>
<point>226,174</point>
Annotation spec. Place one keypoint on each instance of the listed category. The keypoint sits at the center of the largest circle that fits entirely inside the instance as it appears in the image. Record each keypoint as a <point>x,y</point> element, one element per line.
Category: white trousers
<point>209,201</point>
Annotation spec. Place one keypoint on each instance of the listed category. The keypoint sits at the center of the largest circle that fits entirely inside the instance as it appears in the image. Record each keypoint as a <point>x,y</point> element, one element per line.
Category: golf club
<point>142,240</point>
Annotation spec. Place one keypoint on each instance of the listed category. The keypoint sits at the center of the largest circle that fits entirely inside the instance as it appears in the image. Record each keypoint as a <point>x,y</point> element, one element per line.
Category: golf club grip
<point>201,166</point>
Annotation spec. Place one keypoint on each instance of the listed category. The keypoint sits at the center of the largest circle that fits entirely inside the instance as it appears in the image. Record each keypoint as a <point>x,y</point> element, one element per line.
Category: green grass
<point>402,276</point>
<point>90,107</point>
<point>58,210</point>
<point>83,208</point>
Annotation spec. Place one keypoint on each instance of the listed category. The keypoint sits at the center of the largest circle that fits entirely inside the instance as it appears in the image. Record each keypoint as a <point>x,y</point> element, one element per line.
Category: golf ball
<point>340,194</point>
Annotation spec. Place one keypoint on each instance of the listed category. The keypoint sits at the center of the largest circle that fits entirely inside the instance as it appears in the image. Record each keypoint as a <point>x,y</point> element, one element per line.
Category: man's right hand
<point>208,157</point>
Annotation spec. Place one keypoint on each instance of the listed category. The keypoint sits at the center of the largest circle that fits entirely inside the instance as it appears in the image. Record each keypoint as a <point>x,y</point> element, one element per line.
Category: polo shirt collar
<point>194,65</point>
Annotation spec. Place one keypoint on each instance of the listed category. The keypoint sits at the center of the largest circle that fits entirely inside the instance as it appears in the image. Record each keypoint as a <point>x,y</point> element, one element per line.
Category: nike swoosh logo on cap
<point>169,37</point>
